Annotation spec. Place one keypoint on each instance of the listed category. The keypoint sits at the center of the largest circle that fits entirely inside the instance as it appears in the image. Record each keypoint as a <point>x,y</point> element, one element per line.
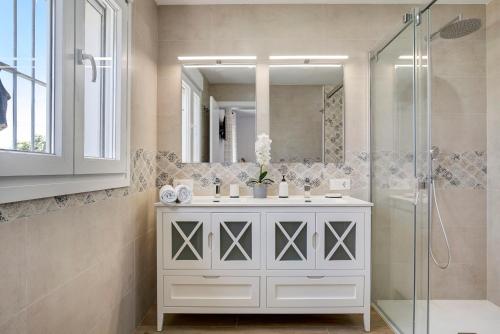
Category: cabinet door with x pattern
<point>340,240</point>
<point>290,240</point>
<point>236,241</point>
<point>185,238</point>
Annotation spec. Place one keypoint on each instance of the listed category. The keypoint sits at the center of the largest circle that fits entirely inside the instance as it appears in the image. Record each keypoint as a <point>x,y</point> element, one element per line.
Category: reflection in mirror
<point>307,113</point>
<point>218,113</point>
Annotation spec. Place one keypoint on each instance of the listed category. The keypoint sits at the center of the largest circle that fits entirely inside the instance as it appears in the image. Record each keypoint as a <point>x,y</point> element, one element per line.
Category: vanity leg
<point>160,321</point>
<point>366,320</point>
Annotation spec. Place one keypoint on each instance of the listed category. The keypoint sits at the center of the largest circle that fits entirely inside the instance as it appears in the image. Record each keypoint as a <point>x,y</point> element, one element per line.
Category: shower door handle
<point>80,59</point>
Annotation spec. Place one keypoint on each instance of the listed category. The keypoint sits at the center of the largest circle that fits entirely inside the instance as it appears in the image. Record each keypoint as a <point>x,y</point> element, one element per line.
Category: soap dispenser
<point>283,188</point>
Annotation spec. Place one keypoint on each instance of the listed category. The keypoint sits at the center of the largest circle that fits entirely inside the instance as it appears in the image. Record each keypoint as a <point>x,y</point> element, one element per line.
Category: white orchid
<point>263,149</point>
<point>263,156</point>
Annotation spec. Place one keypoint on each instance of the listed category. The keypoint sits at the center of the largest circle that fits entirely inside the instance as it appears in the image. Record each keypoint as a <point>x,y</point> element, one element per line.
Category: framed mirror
<point>307,113</point>
<point>218,113</point>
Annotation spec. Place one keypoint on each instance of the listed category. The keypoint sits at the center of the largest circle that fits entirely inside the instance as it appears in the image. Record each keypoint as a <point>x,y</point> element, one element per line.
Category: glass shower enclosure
<point>400,176</point>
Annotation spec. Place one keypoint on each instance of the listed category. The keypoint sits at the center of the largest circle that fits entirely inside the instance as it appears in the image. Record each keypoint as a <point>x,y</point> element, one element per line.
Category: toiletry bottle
<point>283,188</point>
<point>307,189</point>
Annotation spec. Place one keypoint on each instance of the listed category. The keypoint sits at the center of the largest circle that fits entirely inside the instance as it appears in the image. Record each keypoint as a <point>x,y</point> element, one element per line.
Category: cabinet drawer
<point>315,291</point>
<point>211,291</point>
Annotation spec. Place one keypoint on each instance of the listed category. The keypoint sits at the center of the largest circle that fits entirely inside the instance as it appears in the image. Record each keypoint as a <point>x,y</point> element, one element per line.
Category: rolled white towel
<point>184,193</point>
<point>168,194</point>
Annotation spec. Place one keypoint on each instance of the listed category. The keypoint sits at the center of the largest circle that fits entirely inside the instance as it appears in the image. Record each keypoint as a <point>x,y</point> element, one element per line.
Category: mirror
<point>218,113</point>
<point>307,113</point>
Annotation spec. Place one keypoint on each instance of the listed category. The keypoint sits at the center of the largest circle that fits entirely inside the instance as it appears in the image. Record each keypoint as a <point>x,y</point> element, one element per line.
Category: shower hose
<point>440,265</point>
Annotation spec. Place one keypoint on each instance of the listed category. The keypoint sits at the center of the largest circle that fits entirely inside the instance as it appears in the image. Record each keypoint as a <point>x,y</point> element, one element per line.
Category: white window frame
<point>27,175</point>
<point>88,165</point>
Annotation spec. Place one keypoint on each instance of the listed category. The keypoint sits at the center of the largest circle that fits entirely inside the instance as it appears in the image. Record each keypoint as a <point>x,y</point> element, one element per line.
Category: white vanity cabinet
<point>264,256</point>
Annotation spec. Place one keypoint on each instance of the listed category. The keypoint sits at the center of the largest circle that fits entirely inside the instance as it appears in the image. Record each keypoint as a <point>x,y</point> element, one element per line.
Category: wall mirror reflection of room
<point>218,113</point>
<point>307,113</point>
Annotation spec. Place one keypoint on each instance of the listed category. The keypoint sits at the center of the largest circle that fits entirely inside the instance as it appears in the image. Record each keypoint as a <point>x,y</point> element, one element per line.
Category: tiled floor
<point>262,324</point>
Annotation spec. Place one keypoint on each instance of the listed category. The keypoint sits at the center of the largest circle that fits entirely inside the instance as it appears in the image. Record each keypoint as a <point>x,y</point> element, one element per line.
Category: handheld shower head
<point>434,152</point>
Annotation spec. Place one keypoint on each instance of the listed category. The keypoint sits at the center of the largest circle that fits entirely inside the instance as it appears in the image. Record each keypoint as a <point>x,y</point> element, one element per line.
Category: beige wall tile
<point>454,132</point>
<point>493,66</point>
<point>13,275</point>
<point>267,30</point>
<point>66,270</point>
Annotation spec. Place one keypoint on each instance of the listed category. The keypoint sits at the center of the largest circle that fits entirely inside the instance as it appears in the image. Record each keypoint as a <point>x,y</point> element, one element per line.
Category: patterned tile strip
<point>149,169</point>
<point>356,167</point>
<point>452,170</point>
<point>142,178</point>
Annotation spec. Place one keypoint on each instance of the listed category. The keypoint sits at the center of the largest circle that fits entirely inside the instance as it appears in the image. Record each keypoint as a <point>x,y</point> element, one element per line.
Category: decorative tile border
<point>451,170</point>
<point>150,169</point>
<point>356,167</point>
<point>462,170</point>
<point>142,178</point>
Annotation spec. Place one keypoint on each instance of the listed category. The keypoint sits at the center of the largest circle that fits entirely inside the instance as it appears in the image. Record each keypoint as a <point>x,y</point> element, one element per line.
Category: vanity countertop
<point>272,201</point>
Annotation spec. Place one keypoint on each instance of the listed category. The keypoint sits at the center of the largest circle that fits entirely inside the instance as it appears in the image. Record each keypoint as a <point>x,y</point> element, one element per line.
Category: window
<point>101,43</point>
<point>26,75</point>
<point>63,98</point>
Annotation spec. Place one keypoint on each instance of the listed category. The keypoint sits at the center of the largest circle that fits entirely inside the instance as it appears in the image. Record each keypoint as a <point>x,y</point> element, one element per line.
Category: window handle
<point>81,57</point>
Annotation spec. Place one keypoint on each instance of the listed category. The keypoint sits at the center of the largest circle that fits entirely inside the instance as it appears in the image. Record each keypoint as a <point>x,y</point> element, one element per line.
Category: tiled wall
<point>86,263</point>
<point>459,130</point>
<point>356,167</point>
<point>264,30</point>
<point>493,70</point>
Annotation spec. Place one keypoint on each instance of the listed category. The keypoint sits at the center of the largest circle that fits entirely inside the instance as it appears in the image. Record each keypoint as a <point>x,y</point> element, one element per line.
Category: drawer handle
<point>315,277</point>
<point>210,277</point>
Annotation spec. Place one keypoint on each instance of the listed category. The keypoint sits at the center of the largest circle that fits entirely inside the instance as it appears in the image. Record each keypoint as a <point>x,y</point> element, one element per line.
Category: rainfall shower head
<point>458,27</point>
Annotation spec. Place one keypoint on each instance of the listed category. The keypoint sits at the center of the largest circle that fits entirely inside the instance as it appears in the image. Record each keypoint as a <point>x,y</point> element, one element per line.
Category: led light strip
<point>220,66</point>
<point>310,57</point>
<point>306,65</point>
<point>194,58</point>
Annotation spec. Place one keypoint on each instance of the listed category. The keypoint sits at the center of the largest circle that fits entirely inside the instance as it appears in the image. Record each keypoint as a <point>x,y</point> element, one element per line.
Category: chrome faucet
<point>217,183</point>
<point>307,189</point>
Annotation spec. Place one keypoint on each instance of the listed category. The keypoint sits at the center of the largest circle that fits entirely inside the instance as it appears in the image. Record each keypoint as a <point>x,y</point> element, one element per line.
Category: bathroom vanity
<point>269,255</point>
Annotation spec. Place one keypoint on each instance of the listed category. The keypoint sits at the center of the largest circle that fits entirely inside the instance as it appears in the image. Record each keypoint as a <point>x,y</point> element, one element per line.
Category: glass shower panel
<point>393,179</point>
<point>423,172</point>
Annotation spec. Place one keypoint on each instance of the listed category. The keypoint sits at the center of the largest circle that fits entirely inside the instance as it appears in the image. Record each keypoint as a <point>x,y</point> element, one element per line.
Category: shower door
<point>400,165</point>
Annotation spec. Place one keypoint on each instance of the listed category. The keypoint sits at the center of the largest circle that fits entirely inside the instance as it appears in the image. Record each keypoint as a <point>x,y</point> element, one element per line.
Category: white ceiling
<point>311,2</point>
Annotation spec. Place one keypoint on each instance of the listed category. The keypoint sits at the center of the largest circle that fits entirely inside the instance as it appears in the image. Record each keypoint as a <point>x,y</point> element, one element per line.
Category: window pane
<point>6,129</point>
<point>100,118</point>
<point>23,115</point>
<point>42,120</point>
<point>25,36</point>
<point>42,40</point>
<point>28,125</point>
<point>7,32</point>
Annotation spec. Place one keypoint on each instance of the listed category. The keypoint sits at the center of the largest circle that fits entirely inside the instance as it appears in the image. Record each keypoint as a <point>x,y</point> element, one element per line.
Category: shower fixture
<point>458,27</point>
<point>434,155</point>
